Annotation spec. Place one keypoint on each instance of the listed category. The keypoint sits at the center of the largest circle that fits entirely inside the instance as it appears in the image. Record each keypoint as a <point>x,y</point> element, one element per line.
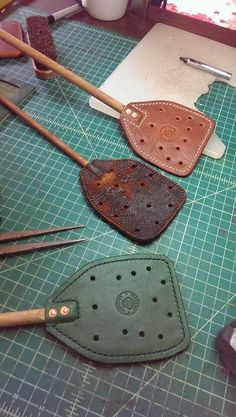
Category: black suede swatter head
<point>129,309</point>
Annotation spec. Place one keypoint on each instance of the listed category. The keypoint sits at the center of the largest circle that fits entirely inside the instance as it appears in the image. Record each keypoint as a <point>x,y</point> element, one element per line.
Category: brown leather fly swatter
<point>132,197</point>
<point>166,134</point>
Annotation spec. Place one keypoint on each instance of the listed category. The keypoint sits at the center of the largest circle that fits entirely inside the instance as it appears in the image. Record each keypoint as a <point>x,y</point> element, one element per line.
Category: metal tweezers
<point>28,247</point>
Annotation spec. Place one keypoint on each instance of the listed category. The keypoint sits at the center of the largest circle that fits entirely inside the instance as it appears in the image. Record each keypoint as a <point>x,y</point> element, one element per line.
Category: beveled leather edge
<point>98,357</point>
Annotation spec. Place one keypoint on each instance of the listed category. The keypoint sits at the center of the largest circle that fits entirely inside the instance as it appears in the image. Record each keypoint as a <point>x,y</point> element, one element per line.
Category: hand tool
<point>129,195</point>
<point>40,37</point>
<point>67,12</point>
<point>226,346</point>
<point>28,247</point>
<point>140,315</point>
<point>169,135</point>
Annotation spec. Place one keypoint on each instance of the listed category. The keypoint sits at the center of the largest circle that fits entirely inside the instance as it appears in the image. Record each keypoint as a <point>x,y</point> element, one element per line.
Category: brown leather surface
<point>6,50</point>
<point>167,134</point>
<point>132,197</point>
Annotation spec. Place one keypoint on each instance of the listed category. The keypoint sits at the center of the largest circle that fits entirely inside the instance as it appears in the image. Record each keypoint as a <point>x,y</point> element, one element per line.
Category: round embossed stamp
<point>127,302</point>
<point>168,132</point>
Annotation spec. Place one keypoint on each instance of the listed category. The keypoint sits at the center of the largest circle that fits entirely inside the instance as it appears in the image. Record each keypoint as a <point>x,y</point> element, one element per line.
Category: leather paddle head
<point>167,134</point>
<point>132,197</point>
<point>129,309</point>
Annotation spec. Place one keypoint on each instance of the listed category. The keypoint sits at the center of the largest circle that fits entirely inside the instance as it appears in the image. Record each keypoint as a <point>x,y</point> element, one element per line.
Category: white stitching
<point>166,103</point>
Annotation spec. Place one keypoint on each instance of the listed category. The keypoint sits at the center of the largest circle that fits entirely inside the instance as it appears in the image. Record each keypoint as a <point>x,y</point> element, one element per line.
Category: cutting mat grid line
<point>39,187</point>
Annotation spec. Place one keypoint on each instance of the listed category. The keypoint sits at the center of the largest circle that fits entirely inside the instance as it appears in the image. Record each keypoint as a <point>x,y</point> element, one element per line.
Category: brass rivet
<point>65,310</point>
<point>52,312</point>
<point>128,111</point>
<point>134,115</point>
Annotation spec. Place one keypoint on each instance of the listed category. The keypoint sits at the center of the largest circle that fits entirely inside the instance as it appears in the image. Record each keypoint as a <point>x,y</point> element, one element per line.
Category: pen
<point>205,67</point>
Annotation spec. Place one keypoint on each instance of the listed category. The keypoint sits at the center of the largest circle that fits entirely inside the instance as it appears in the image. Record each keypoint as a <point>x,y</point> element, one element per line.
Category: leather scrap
<point>14,28</point>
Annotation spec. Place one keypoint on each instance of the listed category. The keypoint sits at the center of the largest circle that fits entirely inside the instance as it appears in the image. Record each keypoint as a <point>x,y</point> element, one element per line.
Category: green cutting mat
<point>39,187</point>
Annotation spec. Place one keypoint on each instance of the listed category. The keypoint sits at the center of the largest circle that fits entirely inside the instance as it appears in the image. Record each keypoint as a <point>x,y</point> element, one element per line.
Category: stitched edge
<point>192,162</point>
<point>134,354</point>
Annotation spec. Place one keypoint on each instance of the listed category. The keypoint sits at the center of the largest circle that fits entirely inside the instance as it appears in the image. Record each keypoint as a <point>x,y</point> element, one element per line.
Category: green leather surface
<point>130,310</point>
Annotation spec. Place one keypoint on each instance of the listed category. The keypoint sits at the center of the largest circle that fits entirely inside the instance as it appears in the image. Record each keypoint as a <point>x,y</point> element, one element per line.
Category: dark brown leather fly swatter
<point>129,195</point>
<point>166,134</point>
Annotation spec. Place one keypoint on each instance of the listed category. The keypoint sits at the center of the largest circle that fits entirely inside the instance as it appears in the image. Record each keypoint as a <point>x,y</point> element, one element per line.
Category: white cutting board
<point>153,71</point>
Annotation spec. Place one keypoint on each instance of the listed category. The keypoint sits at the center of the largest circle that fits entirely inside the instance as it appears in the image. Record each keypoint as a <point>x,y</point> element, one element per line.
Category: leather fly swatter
<point>166,134</point>
<point>121,309</point>
<point>132,197</point>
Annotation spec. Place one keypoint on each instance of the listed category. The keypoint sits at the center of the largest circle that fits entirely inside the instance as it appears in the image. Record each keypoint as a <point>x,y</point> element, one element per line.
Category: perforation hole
<point>168,158</point>
<point>160,147</point>
<point>125,331</point>
<point>92,278</point>
<point>111,170</point>
<point>177,118</point>
<point>100,203</point>
<point>137,230</point>
<point>177,148</point>
<point>180,163</point>
<point>148,268</point>
<point>189,118</point>
<point>115,215</point>
<point>133,166</point>
<point>118,277</point>
<point>154,299</point>
<point>98,183</point>
<point>150,175</point>
<point>170,205</point>
<point>142,184</point>
<point>160,336</point>
<point>125,206</point>
<point>141,140</point>
<point>117,185</point>
<point>157,222</point>
<point>163,281</point>
<point>201,124</point>
<point>169,314</point>
<point>133,273</point>
<point>188,129</point>
<point>148,205</point>
<point>141,333</point>
<point>185,140</point>
<point>151,124</point>
<point>95,306</point>
<point>96,337</point>
<point>161,109</point>
<point>170,187</point>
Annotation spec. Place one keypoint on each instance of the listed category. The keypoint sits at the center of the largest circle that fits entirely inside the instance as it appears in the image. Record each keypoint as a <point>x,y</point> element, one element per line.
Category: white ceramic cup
<point>105,9</point>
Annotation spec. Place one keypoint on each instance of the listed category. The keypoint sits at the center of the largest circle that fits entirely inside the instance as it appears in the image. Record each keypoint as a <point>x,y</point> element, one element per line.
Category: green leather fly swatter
<point>116,310</point>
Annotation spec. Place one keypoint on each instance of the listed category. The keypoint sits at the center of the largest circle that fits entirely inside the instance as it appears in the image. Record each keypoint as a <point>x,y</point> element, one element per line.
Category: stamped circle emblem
<point>168,132</point>
<point>127,303</point>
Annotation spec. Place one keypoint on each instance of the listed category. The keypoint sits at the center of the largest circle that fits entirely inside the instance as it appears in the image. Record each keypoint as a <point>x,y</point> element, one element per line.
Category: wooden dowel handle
<point>21,318</point>
<point>43,131</point>
<point>59,69</point>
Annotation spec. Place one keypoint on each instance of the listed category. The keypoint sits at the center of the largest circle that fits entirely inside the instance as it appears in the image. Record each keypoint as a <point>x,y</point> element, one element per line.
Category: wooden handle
<point>43,131</point>
<point>59,69</point>
<point>20,318</point>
